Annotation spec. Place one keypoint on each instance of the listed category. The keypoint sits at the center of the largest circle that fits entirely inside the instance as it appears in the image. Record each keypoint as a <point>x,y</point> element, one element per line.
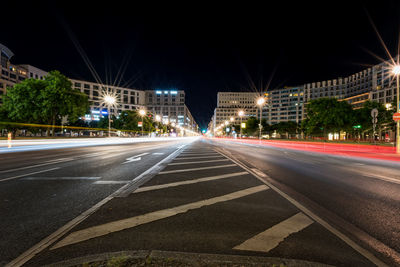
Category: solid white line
<point>94,154</point>
<point>49,240</point>
<point>120,225</point>
<point>196,162</point>
<point>383,178</point>
<point>23,175</point>
<point>205,179</point>
<point>111,182</point>
<point>199,169</point>
<point>39,165</point>
<point>59,178</point>
<point>113,155</point>
<point>371,257</point>
<point>271,238</point>
<point>216,156</point>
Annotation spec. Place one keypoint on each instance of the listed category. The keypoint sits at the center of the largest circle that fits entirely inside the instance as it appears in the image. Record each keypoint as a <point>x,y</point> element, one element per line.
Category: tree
<point>286,127</point>
<point>251,126</point>
<point>22,102</point>
<point>58,99</point>
<point>363,116</point>
<point>328,115</point>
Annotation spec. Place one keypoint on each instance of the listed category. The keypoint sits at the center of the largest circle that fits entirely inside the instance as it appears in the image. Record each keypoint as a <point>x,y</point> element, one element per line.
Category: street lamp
<point>241,114</point>
<point>260,103</point>
<point>110,101</point>
<point>396,72</point>
<point>142,112</point>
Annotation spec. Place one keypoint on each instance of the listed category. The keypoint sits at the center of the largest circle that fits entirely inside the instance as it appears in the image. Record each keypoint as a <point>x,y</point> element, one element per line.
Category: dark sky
<point>200,46</point>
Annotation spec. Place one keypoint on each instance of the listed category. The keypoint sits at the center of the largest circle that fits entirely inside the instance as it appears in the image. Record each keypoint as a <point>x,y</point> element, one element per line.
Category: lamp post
<point>142,112</point>
<point>396,71</point>
<point>158,119</point>
<point>241,113</point>
<point>109,101</point>
<point>260,103</point>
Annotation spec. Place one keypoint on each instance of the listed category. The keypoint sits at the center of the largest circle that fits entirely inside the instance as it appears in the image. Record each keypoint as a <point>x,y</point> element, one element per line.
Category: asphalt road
<point>42,190</point>
<point>208,197</point>
<point>361,197</point>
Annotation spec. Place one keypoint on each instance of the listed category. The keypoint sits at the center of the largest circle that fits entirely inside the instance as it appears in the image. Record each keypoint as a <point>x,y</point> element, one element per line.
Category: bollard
<point>9,138</point>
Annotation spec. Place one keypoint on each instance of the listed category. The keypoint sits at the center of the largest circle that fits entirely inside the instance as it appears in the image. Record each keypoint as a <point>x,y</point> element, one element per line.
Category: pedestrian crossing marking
<point>104,229</point>
<point>269,239</point>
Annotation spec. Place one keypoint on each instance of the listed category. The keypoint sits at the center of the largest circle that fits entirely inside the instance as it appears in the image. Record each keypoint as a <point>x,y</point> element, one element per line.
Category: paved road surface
<point>42,190</point>
<point>210,196</point>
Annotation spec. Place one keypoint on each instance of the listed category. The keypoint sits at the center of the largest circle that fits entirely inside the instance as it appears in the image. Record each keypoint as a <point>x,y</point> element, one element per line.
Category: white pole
<point>109,121</point>
<point>398,122</point>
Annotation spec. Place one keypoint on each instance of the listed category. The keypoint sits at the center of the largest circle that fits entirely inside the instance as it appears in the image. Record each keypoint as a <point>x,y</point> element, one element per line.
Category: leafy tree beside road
<point>328,115</point>
<point>44,101</point>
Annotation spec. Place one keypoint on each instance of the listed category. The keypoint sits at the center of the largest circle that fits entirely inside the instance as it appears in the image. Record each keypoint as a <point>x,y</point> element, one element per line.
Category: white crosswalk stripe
<point>198,169</point>
<point>271,238</point>
<point>205,179</point>
<point>120,225</point>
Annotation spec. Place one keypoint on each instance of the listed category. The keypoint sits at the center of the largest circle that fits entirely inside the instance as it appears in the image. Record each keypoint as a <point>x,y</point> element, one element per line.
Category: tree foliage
<point>328,115</point>
<point>44,101</point>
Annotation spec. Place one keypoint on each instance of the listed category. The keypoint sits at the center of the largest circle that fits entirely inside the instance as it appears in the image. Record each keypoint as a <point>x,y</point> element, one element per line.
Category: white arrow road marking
<point>135,158</point>
<point>271,238</point>
<point>104,229</point>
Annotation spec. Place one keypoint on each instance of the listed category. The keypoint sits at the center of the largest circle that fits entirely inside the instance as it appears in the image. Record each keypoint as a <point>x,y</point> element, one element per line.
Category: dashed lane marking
<point>198,169</point>
<point>59,178</point>
<point>271,238</point>
<point>104,229</point>
<point>61,160</point>
<point>27,174</point>
<point>197,162</point>
<point>205,179</point>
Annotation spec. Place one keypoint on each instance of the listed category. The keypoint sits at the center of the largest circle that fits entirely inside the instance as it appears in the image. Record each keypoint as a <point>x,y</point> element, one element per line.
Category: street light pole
<point>142,112</point>
<point>260,103</point>
<point>396,71</point>
<point>109,121</point>
<point>241,113</point>
<point>260,125</point>
<point>397,122</point>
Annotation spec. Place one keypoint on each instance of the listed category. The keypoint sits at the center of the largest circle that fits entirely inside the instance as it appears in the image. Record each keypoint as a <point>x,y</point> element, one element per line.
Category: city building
<point>288,104</point>
<point>129,99</point>
<point>284,105</point>
<point>169,104</point>
<point>10,73</point>
<point>230,103</point>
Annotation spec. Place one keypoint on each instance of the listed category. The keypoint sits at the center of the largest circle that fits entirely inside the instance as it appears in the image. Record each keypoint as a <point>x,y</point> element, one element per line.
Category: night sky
<point>199,46</point>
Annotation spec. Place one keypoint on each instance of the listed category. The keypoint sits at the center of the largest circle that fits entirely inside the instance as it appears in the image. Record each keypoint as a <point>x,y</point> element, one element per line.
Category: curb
<point>170,258</point>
